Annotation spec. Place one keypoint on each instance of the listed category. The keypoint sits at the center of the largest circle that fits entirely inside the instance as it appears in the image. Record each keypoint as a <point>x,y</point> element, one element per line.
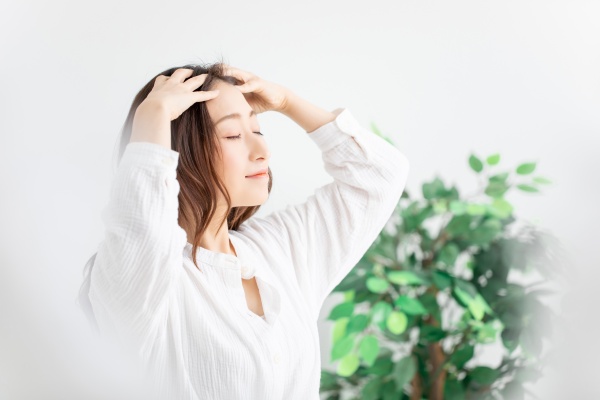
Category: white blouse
<point>194,330</point>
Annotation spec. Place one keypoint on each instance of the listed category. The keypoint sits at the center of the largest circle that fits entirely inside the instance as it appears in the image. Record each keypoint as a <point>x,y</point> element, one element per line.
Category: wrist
<point>151,124</point>
<point>287,103</point>
<point>151,109</point>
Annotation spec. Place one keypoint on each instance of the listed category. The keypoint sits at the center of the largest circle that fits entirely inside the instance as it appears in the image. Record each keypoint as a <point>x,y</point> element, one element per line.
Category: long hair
<point>193,136</point>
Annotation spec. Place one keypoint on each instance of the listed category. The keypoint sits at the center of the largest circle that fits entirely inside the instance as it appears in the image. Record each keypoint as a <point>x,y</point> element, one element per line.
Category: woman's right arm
<point>141,255</point>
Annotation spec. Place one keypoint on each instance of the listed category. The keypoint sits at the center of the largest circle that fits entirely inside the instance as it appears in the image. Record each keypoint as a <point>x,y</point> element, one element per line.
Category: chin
<point>253,203</point>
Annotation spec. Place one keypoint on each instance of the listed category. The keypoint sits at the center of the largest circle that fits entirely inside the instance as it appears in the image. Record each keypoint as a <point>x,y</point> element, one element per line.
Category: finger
<point>238,73</point>
<point>180,74</point>
<point>159,79</point>
<point>196,81</point>
<point>204,96</point>
<point>249,86</point>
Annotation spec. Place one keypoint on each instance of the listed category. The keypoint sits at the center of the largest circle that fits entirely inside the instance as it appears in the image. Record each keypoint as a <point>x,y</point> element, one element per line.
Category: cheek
<point>233,167</point>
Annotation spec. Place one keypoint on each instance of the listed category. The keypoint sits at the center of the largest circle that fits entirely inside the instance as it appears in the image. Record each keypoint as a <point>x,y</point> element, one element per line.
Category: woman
<point>218,303</point>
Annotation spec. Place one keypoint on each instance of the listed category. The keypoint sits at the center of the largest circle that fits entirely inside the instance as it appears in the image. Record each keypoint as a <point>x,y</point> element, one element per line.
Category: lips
<point>264,171</point>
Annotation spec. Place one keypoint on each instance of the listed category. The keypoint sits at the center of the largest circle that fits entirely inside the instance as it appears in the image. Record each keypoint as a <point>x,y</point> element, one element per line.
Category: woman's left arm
<point>329,233</point>
<point>325,236</point>
<point>307,115</point>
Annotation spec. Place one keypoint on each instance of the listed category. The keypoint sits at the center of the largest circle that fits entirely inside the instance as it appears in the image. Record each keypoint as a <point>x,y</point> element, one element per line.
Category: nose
<point>259,148</point>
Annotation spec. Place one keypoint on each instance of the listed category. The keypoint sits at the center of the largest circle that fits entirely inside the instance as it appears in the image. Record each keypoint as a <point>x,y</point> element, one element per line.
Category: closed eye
<point>240,135</point>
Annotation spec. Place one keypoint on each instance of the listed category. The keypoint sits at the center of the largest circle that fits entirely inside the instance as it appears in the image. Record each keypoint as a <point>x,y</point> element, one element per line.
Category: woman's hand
<point>176,93</point>
<point>260,94</point>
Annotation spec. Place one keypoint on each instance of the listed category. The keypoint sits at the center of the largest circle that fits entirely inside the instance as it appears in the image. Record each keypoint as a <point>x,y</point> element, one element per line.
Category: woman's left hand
<point>260,94</point>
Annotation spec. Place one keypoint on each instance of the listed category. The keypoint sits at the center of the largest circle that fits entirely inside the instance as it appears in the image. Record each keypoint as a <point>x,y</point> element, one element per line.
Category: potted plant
<point>435,285</point>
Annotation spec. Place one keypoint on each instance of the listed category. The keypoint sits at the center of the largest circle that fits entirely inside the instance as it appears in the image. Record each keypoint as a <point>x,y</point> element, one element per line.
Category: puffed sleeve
<point>141,254</point>
<point>328,234</point>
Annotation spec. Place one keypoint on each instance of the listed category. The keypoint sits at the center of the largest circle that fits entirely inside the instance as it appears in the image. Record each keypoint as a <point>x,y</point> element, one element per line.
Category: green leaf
<point>476,209</point>
<point>458,225</point>
<point>379,314</point>
<point>467,295</point>
<point>372,389</point>
<point>542,180</point>
<point>377,285</point>
<point>349,295</point>
<point>499,178</point>
<point>441,279</point>
<point>496,189</point>
<point>410,305</point>
<point>381,367</point>
<point>328,381</point>
<point>510,339</point>
<point>404,370</point>
<point>357,323</point>
<point>341,310</point>
<point>430,303</point>
<point>342,347</point>
<point>440,206</point>
<point>430,333</point>
<point>369,349</point>
<point>458,207</point>
<point>487,333</point>
<point>527,188</point>
<point>493,159</point>
<point>396,322</point>
<point>434,189</point>
<point>348,365</point>
<point>388,391</point>
<point>526,168</point>
<point>466,286</point>
<point>454,390</point>
<point>404,278</point>
<point>463,298</point>
<point>339,329</point>
<point>475,163</point>
<point>486,307</point>
<point>484,375</point>
<point>476,309</point>
<point>501,208</point>
<point>485,232</point>
<point>460,357</point>
<point>375,129</point>
<point>448,254</point>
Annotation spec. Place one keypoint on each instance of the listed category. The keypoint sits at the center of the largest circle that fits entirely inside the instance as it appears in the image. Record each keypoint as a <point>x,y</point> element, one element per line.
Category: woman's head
<point>217,151</point>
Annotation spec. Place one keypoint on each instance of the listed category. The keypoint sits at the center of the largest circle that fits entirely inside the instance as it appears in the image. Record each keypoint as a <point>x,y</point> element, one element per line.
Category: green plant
<point>434,285</point>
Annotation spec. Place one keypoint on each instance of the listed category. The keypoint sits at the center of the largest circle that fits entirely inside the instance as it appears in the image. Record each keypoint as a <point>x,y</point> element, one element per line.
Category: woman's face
<point>244,152</point>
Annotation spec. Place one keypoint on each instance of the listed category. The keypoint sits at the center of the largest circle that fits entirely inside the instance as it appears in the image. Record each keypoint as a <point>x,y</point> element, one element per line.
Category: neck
<point>214,239</point>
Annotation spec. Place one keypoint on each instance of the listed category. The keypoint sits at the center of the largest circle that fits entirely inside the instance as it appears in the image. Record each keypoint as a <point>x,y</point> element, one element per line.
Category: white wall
<point>442,78</point>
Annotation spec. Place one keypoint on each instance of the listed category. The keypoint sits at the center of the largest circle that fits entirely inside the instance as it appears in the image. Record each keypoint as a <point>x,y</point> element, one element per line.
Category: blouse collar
<point>242,263</point>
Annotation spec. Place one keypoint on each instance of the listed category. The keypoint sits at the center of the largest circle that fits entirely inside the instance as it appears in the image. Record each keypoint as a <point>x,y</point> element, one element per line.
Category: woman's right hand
<point>174,94</point>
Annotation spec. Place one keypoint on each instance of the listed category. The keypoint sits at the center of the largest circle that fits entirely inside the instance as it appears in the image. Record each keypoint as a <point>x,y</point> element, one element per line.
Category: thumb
<point>249,86</point>
<point>245,88</point>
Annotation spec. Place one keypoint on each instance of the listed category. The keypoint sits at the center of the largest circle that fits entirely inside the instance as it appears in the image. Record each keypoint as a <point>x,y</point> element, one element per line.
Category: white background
<point>443,79</point>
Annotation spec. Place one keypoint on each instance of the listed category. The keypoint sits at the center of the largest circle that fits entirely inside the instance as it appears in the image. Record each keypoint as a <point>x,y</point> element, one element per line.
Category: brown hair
<point>193,136</point>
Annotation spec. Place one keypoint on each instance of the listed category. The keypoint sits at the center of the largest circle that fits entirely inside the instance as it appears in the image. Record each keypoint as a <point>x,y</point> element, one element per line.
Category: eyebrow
<point>234,115</point>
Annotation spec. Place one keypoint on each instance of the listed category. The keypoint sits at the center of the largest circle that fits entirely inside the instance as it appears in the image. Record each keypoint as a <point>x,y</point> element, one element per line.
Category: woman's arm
<point>306,114</point>
<point>141,256</point>
<point>326,236</point>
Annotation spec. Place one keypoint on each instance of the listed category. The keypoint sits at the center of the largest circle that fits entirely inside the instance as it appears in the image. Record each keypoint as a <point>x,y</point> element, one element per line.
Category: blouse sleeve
<point>142,251</point>
<point>328,234</point>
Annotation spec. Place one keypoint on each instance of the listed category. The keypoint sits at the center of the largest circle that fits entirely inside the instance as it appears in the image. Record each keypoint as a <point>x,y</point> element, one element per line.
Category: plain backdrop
<point>442,79</point>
